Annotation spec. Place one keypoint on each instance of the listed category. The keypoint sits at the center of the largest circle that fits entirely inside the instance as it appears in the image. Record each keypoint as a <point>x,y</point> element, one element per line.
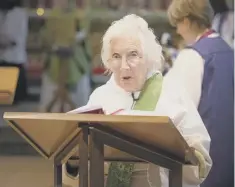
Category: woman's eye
<point>116,56</point>
<point>134,53</point>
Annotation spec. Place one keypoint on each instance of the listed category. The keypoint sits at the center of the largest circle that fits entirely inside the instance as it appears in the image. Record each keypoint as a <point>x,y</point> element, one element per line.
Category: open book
<point>99,110</point>
<point>87,110</point>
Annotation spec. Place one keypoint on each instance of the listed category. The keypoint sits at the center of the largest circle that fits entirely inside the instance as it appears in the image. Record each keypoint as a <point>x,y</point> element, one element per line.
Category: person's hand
<point>12,43</point>
<point>202,164</point>
<point>6,42</point>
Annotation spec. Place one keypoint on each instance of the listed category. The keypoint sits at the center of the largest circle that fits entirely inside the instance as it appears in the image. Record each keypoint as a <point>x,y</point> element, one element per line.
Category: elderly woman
<point>133,57</point>
<point>206,70</point>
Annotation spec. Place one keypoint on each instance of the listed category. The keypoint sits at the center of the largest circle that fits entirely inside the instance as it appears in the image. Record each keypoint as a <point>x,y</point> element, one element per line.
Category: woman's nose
<point>124,64</point>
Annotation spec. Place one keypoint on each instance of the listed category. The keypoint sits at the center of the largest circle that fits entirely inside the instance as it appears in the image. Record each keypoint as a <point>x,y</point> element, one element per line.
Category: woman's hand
<point>202,164</point>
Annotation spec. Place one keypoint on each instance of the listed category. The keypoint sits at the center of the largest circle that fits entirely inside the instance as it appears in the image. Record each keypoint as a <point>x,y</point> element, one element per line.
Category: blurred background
<point>59,51</point>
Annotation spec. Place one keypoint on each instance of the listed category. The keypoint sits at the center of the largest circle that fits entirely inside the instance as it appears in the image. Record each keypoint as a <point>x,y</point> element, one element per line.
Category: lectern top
<point>48,133</point>
<point>86,117</point>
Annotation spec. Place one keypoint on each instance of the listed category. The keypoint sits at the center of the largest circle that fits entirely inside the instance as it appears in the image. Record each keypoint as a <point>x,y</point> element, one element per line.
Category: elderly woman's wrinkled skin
<point>127,63</point>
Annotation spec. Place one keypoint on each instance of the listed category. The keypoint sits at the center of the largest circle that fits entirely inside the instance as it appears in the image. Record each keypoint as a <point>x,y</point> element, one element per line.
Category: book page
<point>87,109</point>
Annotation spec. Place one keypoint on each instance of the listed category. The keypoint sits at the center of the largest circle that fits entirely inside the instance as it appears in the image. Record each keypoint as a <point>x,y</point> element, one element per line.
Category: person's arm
<point>228,29</point>
<point>6,43</point>
<point>192,128</point>
<point>215,22</point>
<point>179,107</point>
<point>20,27</point>
<point>188,68</point>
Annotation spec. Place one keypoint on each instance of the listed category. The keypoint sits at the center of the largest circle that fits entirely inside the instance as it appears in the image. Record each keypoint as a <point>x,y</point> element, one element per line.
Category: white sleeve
<point>215,22</point>
<point>179,107</point>
<point>21,26</point>
<point>96,96</point>
<point>192,128</point>
<point>227,31</point>
<point>188,68</point>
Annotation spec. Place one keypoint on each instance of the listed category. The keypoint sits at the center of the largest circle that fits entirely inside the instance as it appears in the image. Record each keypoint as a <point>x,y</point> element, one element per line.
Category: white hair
<point>132,25</point>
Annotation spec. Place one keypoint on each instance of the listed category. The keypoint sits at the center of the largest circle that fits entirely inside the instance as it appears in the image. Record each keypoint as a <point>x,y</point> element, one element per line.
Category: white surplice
<point>174,103</point>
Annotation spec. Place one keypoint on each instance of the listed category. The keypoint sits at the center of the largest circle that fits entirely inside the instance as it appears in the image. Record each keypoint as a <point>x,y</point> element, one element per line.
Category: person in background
<point>13,38</point>
<point>167,41</point>
<point>206,69</point>
<point>172,44</point>
<point>167,51</point>
<point>223,21</point>
<point>77,80</point>
<point>83,50</point>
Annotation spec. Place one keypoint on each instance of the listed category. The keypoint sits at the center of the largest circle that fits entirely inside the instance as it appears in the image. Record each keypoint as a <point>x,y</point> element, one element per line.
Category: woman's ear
<point>107,70</point>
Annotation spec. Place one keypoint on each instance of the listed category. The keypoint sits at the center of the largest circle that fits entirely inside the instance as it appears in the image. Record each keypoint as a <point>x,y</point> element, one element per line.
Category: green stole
<point>119,174</point>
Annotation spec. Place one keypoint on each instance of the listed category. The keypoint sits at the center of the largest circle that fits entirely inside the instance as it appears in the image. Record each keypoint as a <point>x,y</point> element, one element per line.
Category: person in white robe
<point>223,22</point>
<point>131,53</point>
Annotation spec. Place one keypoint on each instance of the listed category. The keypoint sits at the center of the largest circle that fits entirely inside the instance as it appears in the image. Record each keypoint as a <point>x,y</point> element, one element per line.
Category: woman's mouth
<point>126,78</point>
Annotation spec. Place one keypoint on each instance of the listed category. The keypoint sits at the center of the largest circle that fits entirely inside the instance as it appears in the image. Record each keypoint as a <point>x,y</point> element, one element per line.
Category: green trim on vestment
<point>120,173</point>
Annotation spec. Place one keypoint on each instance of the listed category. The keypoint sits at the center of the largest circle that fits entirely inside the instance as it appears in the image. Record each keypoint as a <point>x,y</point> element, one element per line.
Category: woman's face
<point>127,63</point>
<point>183,29</point>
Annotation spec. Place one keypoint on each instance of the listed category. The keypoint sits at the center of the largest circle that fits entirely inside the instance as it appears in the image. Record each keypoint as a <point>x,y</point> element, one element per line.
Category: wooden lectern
<point>8,82</point>
<point>149,139</point>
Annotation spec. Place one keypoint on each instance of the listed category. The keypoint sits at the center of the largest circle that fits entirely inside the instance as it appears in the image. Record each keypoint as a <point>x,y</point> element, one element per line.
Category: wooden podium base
<point>101,136</point>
